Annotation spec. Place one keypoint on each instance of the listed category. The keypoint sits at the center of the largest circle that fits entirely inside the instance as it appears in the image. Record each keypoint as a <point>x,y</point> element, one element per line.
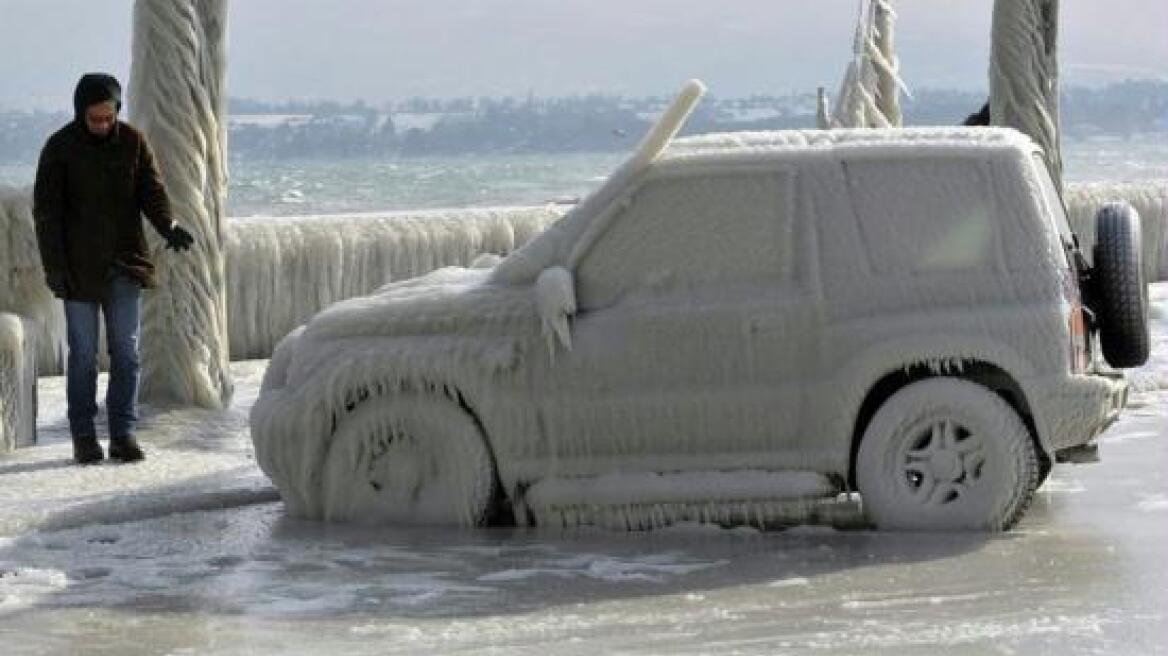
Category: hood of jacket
<point>95,88</point>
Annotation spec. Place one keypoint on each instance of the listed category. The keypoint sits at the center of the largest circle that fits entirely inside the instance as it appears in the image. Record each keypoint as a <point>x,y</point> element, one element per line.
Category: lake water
<point>314,186</point>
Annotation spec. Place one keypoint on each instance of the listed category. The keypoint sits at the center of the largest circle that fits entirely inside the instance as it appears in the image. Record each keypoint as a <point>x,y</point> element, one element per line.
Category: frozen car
<point>732,324</point>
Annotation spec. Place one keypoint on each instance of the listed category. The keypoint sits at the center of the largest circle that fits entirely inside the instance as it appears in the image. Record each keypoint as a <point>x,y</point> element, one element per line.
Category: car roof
<point>890,142</point>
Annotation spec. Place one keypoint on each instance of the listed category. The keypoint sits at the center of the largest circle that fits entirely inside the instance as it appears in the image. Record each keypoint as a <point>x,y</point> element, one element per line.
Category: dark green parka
<point>89,198</point>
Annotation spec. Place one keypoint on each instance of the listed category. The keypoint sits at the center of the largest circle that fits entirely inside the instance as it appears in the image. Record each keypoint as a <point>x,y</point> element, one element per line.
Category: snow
<point>268,120</point>
<point>403,122</point>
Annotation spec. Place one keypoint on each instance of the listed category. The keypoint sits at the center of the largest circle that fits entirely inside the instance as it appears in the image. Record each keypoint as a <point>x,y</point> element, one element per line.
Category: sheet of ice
<point>196,459</point>
<point>1082,574</point>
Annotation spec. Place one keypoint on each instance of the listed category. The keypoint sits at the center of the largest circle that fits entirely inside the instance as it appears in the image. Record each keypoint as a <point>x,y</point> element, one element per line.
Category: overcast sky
<point>381,50</point>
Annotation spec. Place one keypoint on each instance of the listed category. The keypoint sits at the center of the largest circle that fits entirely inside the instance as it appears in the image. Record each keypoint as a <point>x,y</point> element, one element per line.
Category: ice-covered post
<point>887,64</point>
<point>869,95</point>
<point>177,99</point>
<point>822,110</point>
<point>1024,73</point>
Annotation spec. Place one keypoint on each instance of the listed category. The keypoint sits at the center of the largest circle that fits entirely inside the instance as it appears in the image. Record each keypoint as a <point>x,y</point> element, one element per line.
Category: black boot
<point>86,450</point>
<point>125,448</point>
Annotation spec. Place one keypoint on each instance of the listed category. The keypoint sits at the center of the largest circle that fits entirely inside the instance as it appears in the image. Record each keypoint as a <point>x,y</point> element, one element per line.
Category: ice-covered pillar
<point>177,99</point>
<point>869,95</point>
<point>887,64</point>
<point>822,110</point>
<point>1024,73</point>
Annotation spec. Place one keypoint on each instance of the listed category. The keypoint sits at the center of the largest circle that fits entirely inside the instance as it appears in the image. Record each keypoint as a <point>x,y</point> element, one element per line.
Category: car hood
<point>450,301</point>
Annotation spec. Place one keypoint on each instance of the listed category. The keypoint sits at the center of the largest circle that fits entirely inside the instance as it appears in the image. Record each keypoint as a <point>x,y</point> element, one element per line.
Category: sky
<point>387,50</point>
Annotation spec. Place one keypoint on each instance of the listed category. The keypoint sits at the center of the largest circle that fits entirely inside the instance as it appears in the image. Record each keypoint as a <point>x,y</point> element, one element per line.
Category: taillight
<point>1080,338</point>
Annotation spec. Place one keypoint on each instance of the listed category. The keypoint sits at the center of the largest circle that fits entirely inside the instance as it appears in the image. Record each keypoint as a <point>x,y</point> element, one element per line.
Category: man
<point>95,179</point>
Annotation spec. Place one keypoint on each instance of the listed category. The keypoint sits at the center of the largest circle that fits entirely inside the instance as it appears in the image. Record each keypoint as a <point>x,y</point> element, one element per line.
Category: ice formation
<point>869,95</point>
<point>555,299</point>
<point>22,279</point>
<point>1149,199</point>
<point>283,270</point>
<point>658,279</point>
<point>177,99</point>
<point>17,382</point>
<point>1024,74</point>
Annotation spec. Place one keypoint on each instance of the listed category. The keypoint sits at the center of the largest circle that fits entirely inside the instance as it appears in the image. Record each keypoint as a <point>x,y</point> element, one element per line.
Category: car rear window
<point>923,214</point>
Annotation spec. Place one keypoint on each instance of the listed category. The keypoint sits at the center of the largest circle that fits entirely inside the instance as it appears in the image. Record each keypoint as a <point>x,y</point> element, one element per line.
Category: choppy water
<point>312,186</point>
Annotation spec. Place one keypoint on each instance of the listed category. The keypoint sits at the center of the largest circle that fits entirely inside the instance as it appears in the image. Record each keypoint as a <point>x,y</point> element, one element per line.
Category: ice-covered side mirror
<point>555,298</point>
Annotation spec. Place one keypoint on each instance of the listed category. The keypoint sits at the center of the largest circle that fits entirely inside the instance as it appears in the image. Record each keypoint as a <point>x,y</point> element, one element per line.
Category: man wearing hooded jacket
<point>95,180</point>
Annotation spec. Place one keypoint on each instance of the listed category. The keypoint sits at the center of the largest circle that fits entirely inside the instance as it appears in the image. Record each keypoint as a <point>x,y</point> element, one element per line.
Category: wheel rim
<point>396,464</point>
<point>416,461</point>
<point>941,462</point>
<point>946,454</point>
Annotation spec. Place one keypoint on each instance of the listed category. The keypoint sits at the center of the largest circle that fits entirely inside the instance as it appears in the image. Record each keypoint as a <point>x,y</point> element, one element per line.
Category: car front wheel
<point>946,454</point>
<point>408,458</point>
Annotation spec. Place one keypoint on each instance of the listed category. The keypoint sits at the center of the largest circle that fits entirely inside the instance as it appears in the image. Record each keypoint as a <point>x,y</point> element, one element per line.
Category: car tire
<point>1120,289</point>
<point>409,458</point>
<point>946,454</point>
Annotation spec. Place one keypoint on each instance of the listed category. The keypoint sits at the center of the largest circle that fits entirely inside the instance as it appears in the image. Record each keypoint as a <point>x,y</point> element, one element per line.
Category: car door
<point>692,333</point>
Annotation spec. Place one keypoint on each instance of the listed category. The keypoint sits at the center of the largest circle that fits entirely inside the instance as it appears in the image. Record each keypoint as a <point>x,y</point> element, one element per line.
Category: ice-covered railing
<point>17,382</point>
<point>22,287</point>
<point>281,271</point>
<point>1149,198</point>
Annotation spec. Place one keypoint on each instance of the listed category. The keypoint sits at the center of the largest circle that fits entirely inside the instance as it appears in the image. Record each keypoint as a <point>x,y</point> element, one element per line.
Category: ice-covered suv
<point>732,325</point>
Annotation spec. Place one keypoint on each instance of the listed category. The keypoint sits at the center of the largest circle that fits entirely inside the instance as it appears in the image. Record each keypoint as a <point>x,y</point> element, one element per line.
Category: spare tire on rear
<point>1120,291</point>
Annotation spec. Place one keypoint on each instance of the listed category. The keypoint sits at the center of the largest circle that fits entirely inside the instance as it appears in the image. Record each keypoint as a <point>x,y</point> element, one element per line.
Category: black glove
<point>58,283</point>
<point>178,238</point>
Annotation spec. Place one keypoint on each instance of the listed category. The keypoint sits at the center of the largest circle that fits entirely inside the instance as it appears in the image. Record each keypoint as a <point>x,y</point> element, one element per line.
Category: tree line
<point>591,123</point>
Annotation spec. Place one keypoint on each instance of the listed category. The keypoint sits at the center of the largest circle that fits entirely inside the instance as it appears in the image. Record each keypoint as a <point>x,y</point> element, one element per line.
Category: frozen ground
<point>190,553</point>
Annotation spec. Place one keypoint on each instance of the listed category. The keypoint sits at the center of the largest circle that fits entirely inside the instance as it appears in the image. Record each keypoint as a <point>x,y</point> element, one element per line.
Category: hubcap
<point>942,462</point>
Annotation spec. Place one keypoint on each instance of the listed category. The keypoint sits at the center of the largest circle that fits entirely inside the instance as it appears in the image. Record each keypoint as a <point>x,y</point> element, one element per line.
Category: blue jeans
<point>122,310</point>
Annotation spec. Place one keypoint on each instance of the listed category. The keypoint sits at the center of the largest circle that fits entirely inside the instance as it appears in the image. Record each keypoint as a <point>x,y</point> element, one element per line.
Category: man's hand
<point>178,238</point>
<point>58,283</point>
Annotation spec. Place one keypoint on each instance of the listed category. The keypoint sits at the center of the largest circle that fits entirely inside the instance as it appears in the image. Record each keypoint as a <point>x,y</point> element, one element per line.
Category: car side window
<point>691,231</point>
<point>924,215</point>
